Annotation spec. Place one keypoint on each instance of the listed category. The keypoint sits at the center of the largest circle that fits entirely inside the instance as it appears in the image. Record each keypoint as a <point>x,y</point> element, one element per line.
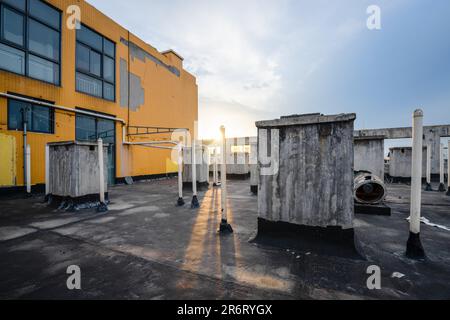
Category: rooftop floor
<point>146,248</point>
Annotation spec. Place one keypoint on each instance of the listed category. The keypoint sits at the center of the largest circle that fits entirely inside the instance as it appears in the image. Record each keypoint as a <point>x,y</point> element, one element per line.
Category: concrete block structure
<point>202,159</point>
<point>99,81</point>
<point>238,156</point>
<point>254,172</point>
<point>74,170</point>
<point>400,163</point>
<point>306,176</point>
<point>369,155</point>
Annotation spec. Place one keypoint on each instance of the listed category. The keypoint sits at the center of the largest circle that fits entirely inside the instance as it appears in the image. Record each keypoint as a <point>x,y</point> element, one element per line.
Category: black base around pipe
<point>254,189</point>
<point>102,207</point>
<point>180,202</point>
<point>414,248</point>
<point>448,192</point>
<point>195,204</point>
<point>428,187</point>
<point>441,187</point>
<point>225,227</point>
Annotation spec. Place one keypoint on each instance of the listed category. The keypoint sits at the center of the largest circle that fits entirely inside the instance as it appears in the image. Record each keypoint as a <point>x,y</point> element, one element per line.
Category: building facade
<point>96,80</point>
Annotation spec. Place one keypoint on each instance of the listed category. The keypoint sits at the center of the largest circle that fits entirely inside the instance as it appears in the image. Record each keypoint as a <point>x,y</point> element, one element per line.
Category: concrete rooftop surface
<point>146,248</point>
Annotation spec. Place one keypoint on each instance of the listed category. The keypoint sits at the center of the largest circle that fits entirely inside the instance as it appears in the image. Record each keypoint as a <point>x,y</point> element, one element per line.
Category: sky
<point>261,59</point>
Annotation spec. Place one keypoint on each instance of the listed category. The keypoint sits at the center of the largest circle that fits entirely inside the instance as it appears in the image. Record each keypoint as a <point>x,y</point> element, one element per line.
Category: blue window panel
<point>108,69</point>
<point>95,63</point>
<point>89,85</point>
<point>12,59</point>
<point>90,38</point>
<point>16,111</point>
<point>82,58</point>
<point>45,13</point>
<point>108,91</point>
<point>43,69</point>
<point>109,48</point>
<point>85,128</point>
<point>13,26</point>
<point>43,40</point>
<point>41,119</point>
<point>18,4</point>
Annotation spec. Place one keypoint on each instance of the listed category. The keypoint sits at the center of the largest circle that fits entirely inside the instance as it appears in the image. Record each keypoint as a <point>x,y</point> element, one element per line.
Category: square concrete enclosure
<point>306,175</point>
<point>202,160</point>
<point>369,155</point>
<point>400,163</point>
<point>74,169</point>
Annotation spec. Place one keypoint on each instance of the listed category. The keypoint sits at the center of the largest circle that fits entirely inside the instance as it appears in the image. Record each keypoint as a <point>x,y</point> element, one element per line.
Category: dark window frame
<point>30,125</point>
<point>25,48</point>
<point>102,54</point>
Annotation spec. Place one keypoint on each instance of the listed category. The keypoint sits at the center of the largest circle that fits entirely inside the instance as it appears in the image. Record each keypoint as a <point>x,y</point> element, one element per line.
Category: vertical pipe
<point>28,168</point>
<point>441,168</point>
<point>414,247</point>
<point>194,204</point>
<point>215,167</point>
<point>428,184</point>
<point>448,169</point>
<point>47,171</point>
<point>180,201</point>
<point>102,207</point>
<point>225,227</point>
<point>25,142</point>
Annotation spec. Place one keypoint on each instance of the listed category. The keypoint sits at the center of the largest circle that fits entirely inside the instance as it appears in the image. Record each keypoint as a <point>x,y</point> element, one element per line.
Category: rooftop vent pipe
<point>368,188</point>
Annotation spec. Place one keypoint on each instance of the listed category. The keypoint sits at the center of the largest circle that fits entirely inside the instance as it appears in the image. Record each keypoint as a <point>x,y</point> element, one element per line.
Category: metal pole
<point>180,201</point>
<point>448,169</point>
<point>28,168</point>
<point>414,247</point>
<point>225,227</point>
<point>441,169</point>
<point>215,168</point>
<point>102,206</point>
<point>428,185</point>
<point>194,204</point>
<point>47,172</point>
<point>25,131</point>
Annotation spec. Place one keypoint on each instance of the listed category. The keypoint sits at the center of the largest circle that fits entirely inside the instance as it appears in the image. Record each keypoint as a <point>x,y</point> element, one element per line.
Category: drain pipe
<point>448,169</point>
<point>28,169</point>
<point>428,185</point>
<point>414,248</point>
<point>180,201</point>
<point>225,227</point>
<point>47,173</point>
<point>194,204</point>
<point>441,169</point>
<point>215,173</point>
<point>102,207</point>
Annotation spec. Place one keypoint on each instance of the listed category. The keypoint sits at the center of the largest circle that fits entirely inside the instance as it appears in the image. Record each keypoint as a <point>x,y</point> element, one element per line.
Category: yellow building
<point>64,80</point>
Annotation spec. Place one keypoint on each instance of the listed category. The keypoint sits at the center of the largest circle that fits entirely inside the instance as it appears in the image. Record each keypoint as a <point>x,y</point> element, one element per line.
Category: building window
<point>30,39</point>
<point>38,118</point>
<point>95,64</point>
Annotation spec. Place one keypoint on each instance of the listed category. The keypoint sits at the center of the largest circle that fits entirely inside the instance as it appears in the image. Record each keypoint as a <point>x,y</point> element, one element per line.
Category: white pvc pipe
<point>28,164</point>
<point>441,164</point>
<point>215,166</point>
<point>448,165</point>
<point>416,172</point>
<point>100,171</point>
<point>223,175</point>
<point>180,170</point>
<point>194,169</point>
<point>428,163</point>
<point>47,170</point>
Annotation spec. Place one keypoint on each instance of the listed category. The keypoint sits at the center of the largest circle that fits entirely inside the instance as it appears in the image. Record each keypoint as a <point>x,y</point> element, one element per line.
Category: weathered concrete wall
<point>432,135</point>
<point>74,170</point>
<point>313,184</point>
<point>369,155</point>
<point>238,161</point>
<point>202,160</point>
<point>400,162</point>
<point>254,172</point>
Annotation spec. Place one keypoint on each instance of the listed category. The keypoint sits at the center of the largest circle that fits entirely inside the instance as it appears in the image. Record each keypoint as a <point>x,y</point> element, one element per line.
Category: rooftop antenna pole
<point>225,227</point>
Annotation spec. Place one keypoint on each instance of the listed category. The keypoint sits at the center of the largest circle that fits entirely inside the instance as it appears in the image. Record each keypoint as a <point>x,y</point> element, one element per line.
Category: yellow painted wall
<point>8,160</point>
<point>170,101</point>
